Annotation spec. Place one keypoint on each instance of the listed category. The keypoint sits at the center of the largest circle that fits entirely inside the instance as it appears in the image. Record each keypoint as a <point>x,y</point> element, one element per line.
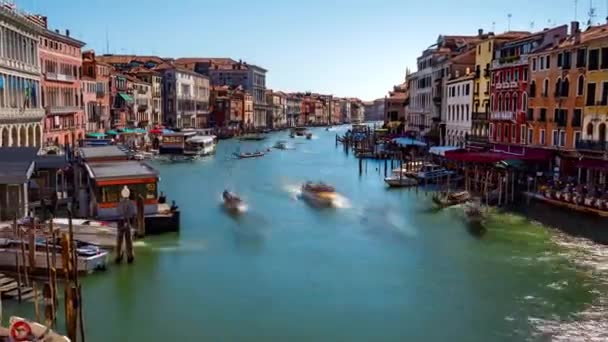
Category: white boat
<point>432,172</point>
<point>100,233</point>
<point>89,257</point>
<point>200,145</point>
<point>281,145</point>
<point>400,179</point>
<point>319,194</point>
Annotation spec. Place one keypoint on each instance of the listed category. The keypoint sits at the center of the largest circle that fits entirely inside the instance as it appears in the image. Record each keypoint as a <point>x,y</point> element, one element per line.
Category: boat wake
<point>341,202</point>
<point>295,192</point>
<point>592,323</point>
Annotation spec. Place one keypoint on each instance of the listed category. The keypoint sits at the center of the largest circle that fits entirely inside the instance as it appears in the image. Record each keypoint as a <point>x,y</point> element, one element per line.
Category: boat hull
<point>395,182</point>
<point>319,199</point>
<point>86,264</point>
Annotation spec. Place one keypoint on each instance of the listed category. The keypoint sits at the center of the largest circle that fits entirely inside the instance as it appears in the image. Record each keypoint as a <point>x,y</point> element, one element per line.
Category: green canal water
<point>383,266</point>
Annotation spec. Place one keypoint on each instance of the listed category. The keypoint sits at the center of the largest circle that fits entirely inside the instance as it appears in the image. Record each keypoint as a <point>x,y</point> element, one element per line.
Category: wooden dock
<point>571,206</point>
<point>9,289</point>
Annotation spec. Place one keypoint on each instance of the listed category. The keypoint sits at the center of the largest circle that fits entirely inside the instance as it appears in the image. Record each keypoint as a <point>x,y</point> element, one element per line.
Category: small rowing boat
<point>246,155</point>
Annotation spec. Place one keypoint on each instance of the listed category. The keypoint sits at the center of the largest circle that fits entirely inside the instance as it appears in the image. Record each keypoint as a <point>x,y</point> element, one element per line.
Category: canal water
<point>381,266</point>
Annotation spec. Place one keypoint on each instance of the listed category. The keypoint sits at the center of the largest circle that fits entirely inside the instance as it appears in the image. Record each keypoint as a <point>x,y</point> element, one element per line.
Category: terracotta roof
<point>125,59</point>
<point>591,34</point>
<point>466,77</point>
<point>220,60</point>
<point>467,57</point>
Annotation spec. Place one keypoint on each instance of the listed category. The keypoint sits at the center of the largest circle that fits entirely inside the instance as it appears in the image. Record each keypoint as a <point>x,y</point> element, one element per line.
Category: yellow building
<point>484,55</point>
<point>595,113</point>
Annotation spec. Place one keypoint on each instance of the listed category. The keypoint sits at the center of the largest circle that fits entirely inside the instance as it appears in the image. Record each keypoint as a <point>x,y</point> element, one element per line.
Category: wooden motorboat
<point>449,199</point>
<point>90,258</point>
<point>432,172</point>
<point>474,213</point>
<point>233,202</point>
<point>253,137</point>
<point>400,179</point>
<point>319,193</point>
<point>246,155</point>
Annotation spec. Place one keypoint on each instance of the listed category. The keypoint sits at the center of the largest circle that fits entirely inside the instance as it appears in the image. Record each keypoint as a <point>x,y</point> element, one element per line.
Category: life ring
<point>20,331</point>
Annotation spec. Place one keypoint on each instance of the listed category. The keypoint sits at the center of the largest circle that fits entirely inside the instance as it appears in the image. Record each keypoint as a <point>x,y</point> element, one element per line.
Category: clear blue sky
<point>344,47</point>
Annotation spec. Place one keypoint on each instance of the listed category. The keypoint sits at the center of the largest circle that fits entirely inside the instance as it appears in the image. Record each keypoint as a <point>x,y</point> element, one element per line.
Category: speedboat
<point>246,155</point>
<point>308,136</point>
<point>319,193</point>
<point>232,202</point>
<point>399,179</point>
<point>299,131</point>
<point>281,145</point>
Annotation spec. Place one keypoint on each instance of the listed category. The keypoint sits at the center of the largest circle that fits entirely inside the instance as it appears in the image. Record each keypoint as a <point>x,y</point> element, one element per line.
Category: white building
<point>21,112</point>
<point>459,102</point>
<point>186,97</point>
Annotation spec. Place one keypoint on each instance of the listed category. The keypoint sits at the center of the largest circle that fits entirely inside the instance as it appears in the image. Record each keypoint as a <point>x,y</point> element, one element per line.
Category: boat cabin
<point>175,143</point>
<point>201,144</point>
<point>16,169</point>
<point>107,179</point>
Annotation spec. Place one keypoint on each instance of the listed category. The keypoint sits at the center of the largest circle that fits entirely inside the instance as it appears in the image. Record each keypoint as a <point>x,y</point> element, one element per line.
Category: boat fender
<point>21,331</point>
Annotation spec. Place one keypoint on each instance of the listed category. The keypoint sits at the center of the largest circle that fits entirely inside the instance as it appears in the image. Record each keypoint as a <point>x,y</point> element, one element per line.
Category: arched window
<point>515,103</point>
<point>590,131</point>
<point>546,87</point>
<point>499,103</point>
<point>580,87</point>
<point>457,112</point>
<point>493,103</point>
<point>565,87</point>
<point>524,102</point>
<point>533,89</point>
<point>558,87</point>
<point>467,113</point>
<point>461,113</point>
<point>507,102</point>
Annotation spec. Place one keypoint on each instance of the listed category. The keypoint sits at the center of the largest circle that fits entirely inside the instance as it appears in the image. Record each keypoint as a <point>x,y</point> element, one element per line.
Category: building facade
<point>186,97</point>
<point>155,80</point>
<point>509,89</point>
<point>21,112</point>
<point>97,111</point>
<point>294,109</point>
<point>142,102</point>
<point>459,106</point>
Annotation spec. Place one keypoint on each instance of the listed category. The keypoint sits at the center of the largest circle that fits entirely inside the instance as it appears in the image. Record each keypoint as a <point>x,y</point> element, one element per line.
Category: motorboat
<point>90,258</point>
<point>299,131</point>
<point>281,145</point>
<point>448,199</point>
<point>432,172</point>
<point>232,202</point>
<point>200,145</point>
<point>319,193</point>
<point>309,136</point>
<point>474,213</point>
<point>246,155</point>
<point>400,179</point>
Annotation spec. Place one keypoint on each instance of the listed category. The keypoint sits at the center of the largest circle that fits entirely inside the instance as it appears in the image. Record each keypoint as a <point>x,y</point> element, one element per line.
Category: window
<point>546,87</point>
<point>590,130</point>
<point>565,89</point>
<point>530,136</point>
<point>516,76</point>
<point>593,59</point>
<point>604,61</point>
<point>562,138</point>
<point>567,62</point>
<point>558,87</point>
<point>548,62</point>
<point>507,102</point>
<point>560,60</point>
<point>541,65</point>
<point>490,47</point>
<point>543,115</point>
<point>513,129</point>
<point>577,138</point>
<point>555,138</point>
<point>581,58</point>
<point>580,88</point>
<point>467,89</point>
<point>533,64</point>
<point>577,117</point>
<point>515,103</point>
<point>479,49</point>
<point>522,135</point>
<point>590,94</point>
<point>533,89</point>
<point>525,74</point>
<point>542,137</point>
<point>604,93</point>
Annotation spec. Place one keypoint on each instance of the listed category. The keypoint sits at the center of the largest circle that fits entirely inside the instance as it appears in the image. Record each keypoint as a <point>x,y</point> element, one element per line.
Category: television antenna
<point>509,21</point>
<point>591,13</point>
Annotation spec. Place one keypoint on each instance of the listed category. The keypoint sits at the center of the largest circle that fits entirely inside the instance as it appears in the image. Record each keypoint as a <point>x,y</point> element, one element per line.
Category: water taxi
<point>232,202</point>
<point>201,145</point>
<point>400,179</point>
<point>281,145</point>
<point>319,193</point>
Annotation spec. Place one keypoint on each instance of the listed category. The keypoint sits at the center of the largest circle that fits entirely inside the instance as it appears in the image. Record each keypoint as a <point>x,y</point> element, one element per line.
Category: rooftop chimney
<point>574,27</point>
<point>56,31</point>
<point>480,32</point>
<point>67,33</point>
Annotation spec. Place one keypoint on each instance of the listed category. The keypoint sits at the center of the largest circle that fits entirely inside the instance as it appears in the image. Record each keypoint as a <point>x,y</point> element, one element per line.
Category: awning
<point>496,156</point>
<point>441,150</point>
<point>126,97</point>
<point>111,132</point>
<point>393,124</point>
<point>596,164</point>
<point>96,135</point>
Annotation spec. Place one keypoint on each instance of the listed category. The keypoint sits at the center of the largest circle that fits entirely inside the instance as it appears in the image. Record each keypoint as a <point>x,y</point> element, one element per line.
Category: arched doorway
<point>66,140</point>
<point>4,137</point>
<point>590,131</point>
<point>602,132</point>
<point>38,136</point>
<point>22,136</point>
<point>14,137</point>
<point>31,140</point>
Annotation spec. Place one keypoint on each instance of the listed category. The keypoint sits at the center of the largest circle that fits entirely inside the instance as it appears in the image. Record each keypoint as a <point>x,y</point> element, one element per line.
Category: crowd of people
<point>594,196</point>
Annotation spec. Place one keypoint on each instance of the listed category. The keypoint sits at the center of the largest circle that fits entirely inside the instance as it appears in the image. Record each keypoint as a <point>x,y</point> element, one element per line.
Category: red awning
<point>597,164</point>
<point>529,154</point>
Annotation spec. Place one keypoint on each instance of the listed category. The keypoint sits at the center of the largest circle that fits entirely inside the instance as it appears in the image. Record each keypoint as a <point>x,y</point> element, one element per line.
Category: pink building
<point>61,62</point>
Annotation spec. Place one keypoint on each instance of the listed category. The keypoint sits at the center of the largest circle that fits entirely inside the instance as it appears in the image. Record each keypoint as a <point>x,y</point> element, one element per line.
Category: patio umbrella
<point>112,132</point>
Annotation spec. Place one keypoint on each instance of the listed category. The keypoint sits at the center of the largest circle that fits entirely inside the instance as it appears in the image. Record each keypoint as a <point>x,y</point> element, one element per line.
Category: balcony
<point>100,94</point>
<point>8,115</point>
<point>592,145</point>
<point>503,116</point>
<point>59,110</point>
<point>509,61</point>
<point>51,76</point>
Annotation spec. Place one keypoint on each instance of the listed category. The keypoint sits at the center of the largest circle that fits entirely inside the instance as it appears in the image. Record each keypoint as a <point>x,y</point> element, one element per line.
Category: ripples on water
<point>592,323</point>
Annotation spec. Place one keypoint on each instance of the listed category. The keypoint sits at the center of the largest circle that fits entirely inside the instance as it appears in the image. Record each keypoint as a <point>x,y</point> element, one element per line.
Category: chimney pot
<point>480,32</point>
<point>574,27</point>
<point>56,31</point>
<point>67,32</point>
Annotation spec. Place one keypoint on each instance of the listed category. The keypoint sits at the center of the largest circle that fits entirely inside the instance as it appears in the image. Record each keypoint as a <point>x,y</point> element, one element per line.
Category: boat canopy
<point>409,142</point>
<point>201,139</point>
<point>441,150</point>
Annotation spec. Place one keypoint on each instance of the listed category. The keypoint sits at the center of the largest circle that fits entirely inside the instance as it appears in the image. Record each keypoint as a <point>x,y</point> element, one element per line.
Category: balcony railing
<point>592,145</point>
<point>59,77</point>
<point>100,94</point>
<point>503,115</point>
<point>18,114</point>
<point>510,61</point>
<point>63,109</point>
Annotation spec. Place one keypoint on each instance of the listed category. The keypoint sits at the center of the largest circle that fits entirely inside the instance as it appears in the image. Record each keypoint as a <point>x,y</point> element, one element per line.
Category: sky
<point>358,48</point>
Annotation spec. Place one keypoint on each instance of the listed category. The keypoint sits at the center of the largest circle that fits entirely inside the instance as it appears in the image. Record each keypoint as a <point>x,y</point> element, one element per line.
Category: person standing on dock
<point>126,210</point>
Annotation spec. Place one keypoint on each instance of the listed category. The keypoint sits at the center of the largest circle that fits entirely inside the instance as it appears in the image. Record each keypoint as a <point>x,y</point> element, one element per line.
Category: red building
<point>97,109</point>
<point>509,85</point>
<point>121,100</point>
<point>227,107</point>
<point>61,62</point>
